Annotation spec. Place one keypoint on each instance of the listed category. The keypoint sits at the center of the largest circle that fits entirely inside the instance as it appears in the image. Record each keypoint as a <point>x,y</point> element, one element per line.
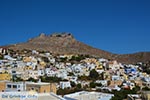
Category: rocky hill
<point>65,43</point>
<point>60,43</point>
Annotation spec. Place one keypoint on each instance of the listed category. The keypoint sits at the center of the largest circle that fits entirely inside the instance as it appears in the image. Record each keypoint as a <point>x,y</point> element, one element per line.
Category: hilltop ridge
<point>60,43</point>
<point>65,43</point>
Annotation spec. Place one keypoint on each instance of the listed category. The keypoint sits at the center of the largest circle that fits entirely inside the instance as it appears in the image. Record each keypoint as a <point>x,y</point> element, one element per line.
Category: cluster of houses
<point>34,64</point>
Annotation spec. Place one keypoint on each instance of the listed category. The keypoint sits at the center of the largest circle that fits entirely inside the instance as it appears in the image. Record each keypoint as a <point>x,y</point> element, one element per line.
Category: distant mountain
<point>65,43</point>
<point>133,58</point>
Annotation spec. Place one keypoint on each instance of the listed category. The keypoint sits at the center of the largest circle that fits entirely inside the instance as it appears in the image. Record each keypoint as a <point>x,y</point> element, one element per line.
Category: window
<point>37,90</point>
<point>8,86</point>
<point>18,86</point>
<point>15,86</point>
<point>44,91</point>
<point>32,88</point>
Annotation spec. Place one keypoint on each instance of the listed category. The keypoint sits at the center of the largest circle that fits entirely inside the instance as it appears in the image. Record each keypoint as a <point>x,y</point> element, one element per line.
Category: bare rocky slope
<point>65,43</point>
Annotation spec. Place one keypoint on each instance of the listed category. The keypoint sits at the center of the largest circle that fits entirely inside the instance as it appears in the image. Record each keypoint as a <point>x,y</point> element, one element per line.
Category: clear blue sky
<point>118,26</point>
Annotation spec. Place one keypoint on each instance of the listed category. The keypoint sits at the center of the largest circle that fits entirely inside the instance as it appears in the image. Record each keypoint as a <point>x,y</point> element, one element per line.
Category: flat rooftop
<point>84,95</point>
<point>39,83</point>
<point>46,96</point>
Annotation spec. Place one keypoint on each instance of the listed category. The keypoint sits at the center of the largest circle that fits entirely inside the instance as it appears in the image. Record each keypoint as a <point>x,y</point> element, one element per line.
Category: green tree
<point>92,85</point>
<point>18,79</point>
<point>50,79</point>
<point>67,91</point>
<point>63,59</point>
<point>32,79</point>
<point>146,89</point>
<point>98,84</point>
<point>79,86</point>
<point>77,58</point>
<point>135,89</point>
<point>94,74</point>
<point>122,94</point>
<point>73,84</point>
<point>84,78</point>
<point>45,59</point>
<point>1,57</point>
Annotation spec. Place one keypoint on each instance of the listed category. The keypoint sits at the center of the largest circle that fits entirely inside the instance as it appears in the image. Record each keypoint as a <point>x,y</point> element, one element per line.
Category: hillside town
<point>49,76</point>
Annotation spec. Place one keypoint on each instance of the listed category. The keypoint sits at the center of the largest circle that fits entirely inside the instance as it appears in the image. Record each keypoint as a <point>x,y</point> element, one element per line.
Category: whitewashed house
<point>15,86</point>
<point>64,84</point>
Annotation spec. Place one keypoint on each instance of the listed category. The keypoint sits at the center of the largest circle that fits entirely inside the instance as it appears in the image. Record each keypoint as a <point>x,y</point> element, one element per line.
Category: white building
<point>1,50</point>
<point>8,57</point>
<point>50,72</point>
<point>64,85</point>
<point>103,82</point>
<point>41,72</point>
<point>115,77</point>
<point>33,74</point>
<point>62,74</point>
<point>15,86</point>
